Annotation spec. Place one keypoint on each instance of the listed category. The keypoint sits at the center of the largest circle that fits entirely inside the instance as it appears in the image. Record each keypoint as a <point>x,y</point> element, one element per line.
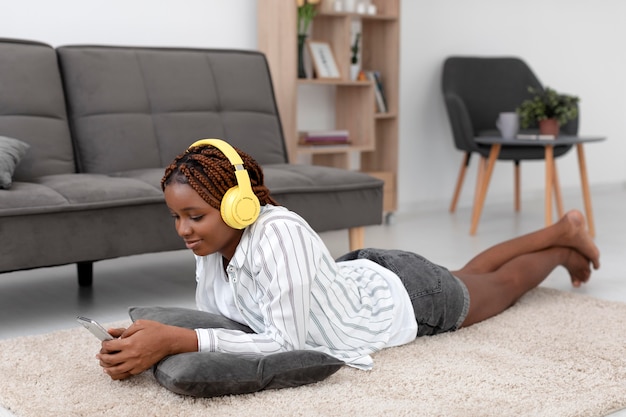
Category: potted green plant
<point>549,109</point>
<point>306,12</point>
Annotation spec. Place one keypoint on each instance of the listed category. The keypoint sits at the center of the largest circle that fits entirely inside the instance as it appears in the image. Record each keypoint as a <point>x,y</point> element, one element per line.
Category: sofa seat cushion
<point>312,191</point>
<point>315,192</point>
<point>285,178</point>
<point>27,197</point>
<point>70,192</point>
<point>150,176</point>
<point>289,178</point>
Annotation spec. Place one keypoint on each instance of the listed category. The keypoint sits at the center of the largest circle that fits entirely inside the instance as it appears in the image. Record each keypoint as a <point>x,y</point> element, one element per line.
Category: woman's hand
<point>142,345</point>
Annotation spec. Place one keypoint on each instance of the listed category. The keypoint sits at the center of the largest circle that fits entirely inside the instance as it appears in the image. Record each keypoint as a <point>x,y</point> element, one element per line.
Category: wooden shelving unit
<point>373,136</point>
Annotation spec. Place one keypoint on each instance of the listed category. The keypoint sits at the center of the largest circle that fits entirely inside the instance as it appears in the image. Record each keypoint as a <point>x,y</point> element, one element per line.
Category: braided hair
<point>209,172</point>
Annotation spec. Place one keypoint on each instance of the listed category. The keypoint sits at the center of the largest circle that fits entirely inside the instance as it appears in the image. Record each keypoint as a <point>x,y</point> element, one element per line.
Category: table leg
<point>558,197</point>
<point>517,185</point>
<point>585,188</point>
<point>549,154</point>
<point>480,175</point>
<point>479,201</point>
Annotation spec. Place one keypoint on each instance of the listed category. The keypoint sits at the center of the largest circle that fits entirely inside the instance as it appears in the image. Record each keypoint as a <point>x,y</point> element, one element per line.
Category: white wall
<point>574,46</point>
<point>194,23</point>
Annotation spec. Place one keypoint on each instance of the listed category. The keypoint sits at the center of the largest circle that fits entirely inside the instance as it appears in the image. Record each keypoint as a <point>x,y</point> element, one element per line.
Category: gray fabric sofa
<point>102,122</point>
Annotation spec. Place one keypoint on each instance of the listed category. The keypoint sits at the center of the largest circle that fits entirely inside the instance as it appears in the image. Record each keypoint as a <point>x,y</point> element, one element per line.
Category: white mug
<point>508,124</point>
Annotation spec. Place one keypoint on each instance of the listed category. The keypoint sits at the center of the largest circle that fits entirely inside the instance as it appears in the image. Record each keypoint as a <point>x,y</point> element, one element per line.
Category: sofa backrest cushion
<point>32,108</point>
<point>135,107</point>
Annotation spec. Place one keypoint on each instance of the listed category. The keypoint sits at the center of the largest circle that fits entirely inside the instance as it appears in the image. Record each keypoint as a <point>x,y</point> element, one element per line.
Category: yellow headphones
<point>240,206</point>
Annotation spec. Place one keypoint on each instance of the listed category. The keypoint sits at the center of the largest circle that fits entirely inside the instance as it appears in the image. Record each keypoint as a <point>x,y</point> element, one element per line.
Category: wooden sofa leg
<point>356,237</point>
<point>85,273</point>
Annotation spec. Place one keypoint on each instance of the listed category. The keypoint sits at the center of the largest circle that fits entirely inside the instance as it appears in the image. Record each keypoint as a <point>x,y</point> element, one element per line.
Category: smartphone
<point>95,328</point>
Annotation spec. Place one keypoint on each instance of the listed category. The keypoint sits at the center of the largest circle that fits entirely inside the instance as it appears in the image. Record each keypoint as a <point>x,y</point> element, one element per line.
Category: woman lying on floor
<point>261,265</point>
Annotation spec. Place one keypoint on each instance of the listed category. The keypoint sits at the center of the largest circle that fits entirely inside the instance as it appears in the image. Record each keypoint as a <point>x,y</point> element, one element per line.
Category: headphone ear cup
<point>239,209</point>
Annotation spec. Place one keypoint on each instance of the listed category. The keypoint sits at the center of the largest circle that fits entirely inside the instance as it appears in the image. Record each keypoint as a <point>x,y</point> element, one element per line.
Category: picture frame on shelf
<point>324,62</point>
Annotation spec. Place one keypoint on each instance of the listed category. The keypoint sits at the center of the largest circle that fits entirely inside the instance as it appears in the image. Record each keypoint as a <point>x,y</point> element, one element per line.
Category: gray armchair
<point>475,91</point>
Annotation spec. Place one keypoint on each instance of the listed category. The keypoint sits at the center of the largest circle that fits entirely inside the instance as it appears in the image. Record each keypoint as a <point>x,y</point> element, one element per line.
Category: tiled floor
<point>44,300</point>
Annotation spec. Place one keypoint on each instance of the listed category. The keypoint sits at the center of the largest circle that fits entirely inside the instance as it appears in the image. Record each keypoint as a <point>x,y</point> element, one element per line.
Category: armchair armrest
<point>462,127</point>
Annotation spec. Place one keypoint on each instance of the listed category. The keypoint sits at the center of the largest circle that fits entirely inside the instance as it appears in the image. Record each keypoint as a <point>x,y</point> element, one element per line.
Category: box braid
<point>209,172</point>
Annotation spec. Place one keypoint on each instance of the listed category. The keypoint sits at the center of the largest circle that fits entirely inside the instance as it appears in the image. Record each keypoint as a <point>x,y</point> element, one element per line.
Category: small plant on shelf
<point>354,60</point>
<point>306,13</point>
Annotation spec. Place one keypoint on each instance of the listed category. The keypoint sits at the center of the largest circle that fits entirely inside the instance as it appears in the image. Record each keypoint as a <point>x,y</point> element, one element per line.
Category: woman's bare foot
<point>578,267</point>
<point>578,238</point>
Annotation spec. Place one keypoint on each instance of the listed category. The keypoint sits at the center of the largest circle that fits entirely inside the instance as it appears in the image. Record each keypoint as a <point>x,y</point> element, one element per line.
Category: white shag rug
<point>552,354</point>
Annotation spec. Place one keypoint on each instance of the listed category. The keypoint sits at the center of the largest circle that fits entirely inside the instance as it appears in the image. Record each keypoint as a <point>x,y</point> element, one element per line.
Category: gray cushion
<point>11,153</point>
<point>211,374</point>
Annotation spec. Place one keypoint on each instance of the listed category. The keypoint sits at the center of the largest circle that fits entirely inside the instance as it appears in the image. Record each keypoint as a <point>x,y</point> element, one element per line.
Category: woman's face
<point>200,225</point>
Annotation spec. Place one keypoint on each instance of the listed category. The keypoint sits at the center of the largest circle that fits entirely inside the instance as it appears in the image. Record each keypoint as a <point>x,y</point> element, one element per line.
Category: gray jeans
<point>440,300</point>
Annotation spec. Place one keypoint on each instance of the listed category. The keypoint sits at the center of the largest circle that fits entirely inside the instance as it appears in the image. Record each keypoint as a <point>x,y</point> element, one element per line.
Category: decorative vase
<point>301,43</point>
<point>354,71</point>
<point>549,127</point>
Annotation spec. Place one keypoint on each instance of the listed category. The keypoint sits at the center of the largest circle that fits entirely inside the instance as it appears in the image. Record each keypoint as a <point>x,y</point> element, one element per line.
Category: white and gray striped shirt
<point>290,291</point>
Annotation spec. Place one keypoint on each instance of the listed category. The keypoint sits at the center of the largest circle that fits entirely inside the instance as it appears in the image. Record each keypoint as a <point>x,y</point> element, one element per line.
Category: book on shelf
<point>379,91</point>
<point>324,137</point>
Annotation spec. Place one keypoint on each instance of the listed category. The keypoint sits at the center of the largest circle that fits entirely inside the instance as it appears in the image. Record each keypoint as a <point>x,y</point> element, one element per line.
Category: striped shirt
<point>289,290</point>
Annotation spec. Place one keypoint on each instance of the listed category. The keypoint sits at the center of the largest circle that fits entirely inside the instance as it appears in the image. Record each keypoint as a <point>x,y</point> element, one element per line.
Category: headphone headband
<point>240,207</point>
<point>224,147</point>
